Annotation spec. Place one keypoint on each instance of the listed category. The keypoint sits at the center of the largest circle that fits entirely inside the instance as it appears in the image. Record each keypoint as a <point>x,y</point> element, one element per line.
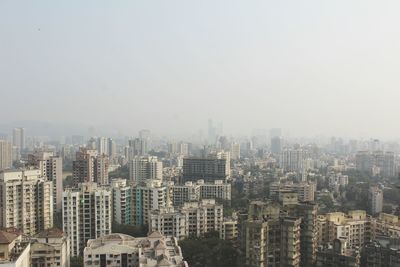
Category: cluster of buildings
<point>181,194</point>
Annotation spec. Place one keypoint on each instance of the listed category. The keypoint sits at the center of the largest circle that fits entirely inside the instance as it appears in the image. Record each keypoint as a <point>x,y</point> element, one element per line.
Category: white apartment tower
<point>376,199</point>
<point>202,217</point>
<point>5,155</point>
<point>291,160</point>
<point>26,201</point>
<point>145,168</point>
<point>19,138</point>
<point>122,201</point>
<point>87,213</point>
<point>51,167</point>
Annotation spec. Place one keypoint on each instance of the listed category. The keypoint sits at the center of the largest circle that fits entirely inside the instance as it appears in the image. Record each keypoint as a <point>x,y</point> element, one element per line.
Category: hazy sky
<point>309,67</point>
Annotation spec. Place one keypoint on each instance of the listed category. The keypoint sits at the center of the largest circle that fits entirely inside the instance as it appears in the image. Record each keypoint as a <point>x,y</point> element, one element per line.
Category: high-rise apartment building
<point>208,169</point>
<point>137,147</point>
<point>88,166</point>
<point>376,162</point>
<point>151,195</point>
<point>190,191</point>
<point>194,219</point>
<point>270,239</point>
<point>145,168</point>
<point>169,222</point>
<point>375,197</point>
<point>276,145</point>
<point>6,157</point>
<point>87,214</point>
<point>291,160</point>
<point>19,138</point>
<point>51,167</point>
<point>122,201</point>
<point>26,201</point>
<point>235,151</point>
<point>279,234</point>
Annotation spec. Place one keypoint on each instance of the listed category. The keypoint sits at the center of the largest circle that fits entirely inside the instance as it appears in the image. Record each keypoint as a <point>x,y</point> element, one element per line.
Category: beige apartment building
<point>26,201</point>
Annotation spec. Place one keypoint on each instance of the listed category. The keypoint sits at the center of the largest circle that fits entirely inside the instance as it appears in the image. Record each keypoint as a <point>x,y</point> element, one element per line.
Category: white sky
<point>309,67</point>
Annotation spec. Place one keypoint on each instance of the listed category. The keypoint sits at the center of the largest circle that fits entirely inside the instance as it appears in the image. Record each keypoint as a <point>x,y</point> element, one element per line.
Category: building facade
<point>26,201</point>
<point>87,214</point>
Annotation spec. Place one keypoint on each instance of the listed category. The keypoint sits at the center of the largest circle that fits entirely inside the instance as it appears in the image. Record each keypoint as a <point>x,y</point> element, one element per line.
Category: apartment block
<point>6,156</point>
<point>87,214</point>
<point>51,167</point>
<point>122,201</point>
<point>26,201</point>
<point>145,168</point>
<point>195,191</point>
<point>147,197</point>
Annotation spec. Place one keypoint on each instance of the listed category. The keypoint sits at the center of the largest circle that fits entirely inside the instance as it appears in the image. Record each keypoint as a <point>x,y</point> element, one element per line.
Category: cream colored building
<point>5,155</point>
<point>51,167</point>
<point>116,250</point>
<point>355,226</point>
<point>196,191</point>
<point>169,222</point>
<point>14,249</point>
<point>27,201</point>
<point>202,217</point>
<point>50,248</point>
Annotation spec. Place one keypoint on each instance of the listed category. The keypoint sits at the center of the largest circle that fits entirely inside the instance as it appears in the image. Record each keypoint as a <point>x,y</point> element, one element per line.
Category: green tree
<point>209,251</point>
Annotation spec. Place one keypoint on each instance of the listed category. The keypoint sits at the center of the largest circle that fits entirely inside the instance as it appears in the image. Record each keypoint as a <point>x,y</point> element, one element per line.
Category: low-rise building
<point>14,249</point>
<point>304,190</point>
<point>338,255</point>
<point>50,248</point>
<point>381,252</point>
<point>116,250</point>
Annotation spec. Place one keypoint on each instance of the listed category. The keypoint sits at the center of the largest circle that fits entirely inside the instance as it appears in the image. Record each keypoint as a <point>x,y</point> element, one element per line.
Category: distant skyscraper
<point>212,132</point>
<point>376,162</point>
<point>376,199</point>
<point>144,134</point>
<point>5,155</point>
<point>276,145</point>
<point>137,147</point>
<point>235,151</point>
<point>275,132</point>
<point>19,138</point>
<point>291,160</point>
<point>102,145</point>
<point>112,148</point>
